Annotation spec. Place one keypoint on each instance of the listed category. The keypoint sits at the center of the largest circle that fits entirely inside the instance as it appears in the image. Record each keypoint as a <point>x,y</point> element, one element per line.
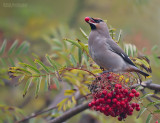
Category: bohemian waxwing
<point>105,51</point>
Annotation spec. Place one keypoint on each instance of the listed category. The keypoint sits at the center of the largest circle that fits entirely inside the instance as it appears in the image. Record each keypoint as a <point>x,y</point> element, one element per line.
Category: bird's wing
<point>115,48</point>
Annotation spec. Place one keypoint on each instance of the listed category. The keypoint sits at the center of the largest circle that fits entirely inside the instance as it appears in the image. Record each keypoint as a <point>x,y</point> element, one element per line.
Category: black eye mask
<point>97,21</point>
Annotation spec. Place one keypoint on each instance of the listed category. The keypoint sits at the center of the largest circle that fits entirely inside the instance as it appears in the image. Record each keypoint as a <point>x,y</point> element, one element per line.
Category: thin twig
<point>148,98</point>
<point>70,113</point>
<point>35,115</point>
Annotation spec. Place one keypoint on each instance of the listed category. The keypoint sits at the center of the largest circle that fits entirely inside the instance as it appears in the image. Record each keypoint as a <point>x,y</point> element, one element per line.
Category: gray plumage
<point>106,52</point>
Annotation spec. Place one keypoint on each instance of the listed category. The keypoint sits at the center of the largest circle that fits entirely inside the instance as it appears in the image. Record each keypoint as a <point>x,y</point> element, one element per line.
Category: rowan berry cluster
<point>115,100</point>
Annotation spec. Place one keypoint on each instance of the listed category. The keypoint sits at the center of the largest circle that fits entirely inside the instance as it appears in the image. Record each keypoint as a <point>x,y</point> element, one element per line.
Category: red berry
<point>120,118</point>
<point>137,94</point>
<point>121,96</point>
<point>133,105</point>
<point>133,91</point>
<point>157,121</point>
<point>137,105</point>
<point>105,97</point>
<point>117,86</point>
<point>93,102</point>
<point>110,109</point>
<point>131,95</point>
<point>97,102</point>
<point>130,113</point>
<point>101,100</point>
<point>125,90</point>
<point>109,95</point>
<point>104,92</point>
<point>118,103</point>
<point>126,100</point>
<point>108,100</point>
<point>114,100</point>
<point>103,109</point>
<point>131,109</point>
<point>107,106</point>
<point>120,86</point>
<point>87,19</point>
<point>98,108</point>
<point>122,103</point>
<point>109,87</point>
<point>90,105</point>
<point>138,108</point>
<point>117,96</point>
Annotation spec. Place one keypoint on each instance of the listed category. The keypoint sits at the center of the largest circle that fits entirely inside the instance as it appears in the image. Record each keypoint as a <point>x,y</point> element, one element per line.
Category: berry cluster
<point>115,100</point>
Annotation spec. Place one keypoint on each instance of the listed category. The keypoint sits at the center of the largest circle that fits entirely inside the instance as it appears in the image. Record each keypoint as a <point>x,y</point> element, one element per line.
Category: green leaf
<point>79,56</point>
<point>119,35</point>
<point>21,78</point>
<point>146,95</point>
<point>46,84</point>
<point>56,82</point>
<point>84,46</point>
<point>29,81</point>
<point>84,34</point>
<point>24,71</point>
<point>86,59</point>
<point>157,111</point>
<point>3,47</point>
<point>20,60</point>
<point>42,65</point>
<point>11,62</point>
<point>3,61</point>
<point>30,67</point>
<point>73,60</point>
<point>57,42</point>
<point>153,103</point>
<point>51,62</point>
<point>143,109</point>
<point>38,86</point>
<point>20,48</point>
<point>154,48</point>
<point>74,43</point>
<point>149,118</point>
<point>12,48</point>
<point>139,87</point>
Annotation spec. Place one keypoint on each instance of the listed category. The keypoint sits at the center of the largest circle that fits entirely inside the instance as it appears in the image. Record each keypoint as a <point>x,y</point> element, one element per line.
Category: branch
<point>35,114</point>
<point>70,113</point>
<point>148,84</point>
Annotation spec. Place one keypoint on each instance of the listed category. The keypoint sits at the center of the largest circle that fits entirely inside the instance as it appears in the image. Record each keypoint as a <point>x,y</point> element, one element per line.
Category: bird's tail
<point>135,69</point>
<point>143,73</point>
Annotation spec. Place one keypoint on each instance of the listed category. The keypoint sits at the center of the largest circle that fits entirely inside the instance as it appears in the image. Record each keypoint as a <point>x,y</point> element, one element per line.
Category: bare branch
<point>35,115</point>
<point>70,113</point>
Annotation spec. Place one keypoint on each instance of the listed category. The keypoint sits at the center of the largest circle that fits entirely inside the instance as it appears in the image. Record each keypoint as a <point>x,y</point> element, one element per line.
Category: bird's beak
<point>91,20</point>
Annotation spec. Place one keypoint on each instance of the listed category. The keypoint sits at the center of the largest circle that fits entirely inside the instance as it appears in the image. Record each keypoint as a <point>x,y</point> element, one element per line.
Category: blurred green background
<point>32,20</point>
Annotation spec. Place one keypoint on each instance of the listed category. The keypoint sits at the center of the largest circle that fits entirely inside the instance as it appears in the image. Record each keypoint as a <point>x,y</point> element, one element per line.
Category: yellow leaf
<point>127,80</point>
<point>64,107</point>
<point>69,103</point>
<point>69,92</point>
<point>59,105</point>
<point>73,100</point>
<point>96,71</point>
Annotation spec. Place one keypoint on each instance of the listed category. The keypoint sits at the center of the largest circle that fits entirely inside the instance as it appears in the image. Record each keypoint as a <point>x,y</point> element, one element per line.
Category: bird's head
<point>98,25</point>
<point>95,23</point>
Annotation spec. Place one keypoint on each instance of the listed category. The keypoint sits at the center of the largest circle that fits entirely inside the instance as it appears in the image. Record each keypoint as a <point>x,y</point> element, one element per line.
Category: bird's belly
<point>109,61</point>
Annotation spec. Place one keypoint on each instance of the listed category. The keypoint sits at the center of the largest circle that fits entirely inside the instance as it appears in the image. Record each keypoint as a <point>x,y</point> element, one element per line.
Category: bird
<point>105,52</point>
